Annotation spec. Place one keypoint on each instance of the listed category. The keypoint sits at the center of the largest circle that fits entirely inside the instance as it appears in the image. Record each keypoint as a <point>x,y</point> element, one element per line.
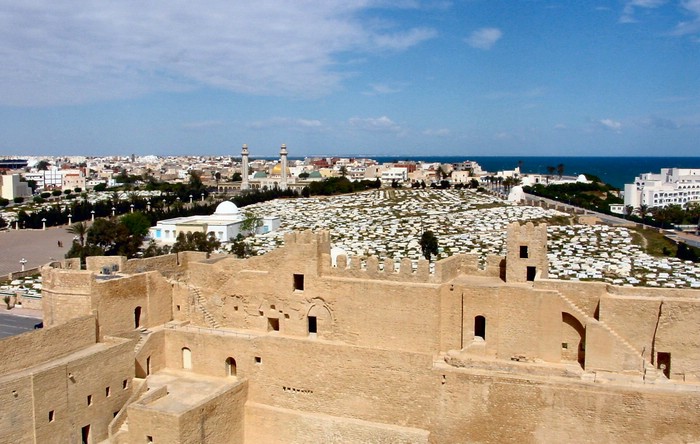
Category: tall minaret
<point>283,162</point>
<point>244,167</point>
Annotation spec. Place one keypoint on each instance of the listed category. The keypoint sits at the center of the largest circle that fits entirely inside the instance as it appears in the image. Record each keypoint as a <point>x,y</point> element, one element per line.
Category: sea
<point>616,171</point>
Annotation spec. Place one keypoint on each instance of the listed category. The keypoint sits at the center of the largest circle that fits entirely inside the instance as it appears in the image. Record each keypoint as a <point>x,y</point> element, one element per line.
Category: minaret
<point>283,162</point>
<point>244,167</point>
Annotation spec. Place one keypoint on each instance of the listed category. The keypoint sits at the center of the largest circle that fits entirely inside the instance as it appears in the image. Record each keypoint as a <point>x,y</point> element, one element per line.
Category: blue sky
<point>350,77</point>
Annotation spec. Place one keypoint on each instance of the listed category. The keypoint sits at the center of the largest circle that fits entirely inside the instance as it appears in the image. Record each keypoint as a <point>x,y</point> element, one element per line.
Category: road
<point>11,325</point>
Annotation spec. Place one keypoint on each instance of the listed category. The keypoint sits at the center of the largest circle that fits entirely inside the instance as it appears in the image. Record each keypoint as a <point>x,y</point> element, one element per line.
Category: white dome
<point>227,208</point>
<point>335,252</point>
<point>582,178</point>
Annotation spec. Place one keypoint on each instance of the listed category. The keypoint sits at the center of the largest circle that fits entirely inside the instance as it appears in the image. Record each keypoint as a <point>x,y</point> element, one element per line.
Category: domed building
<point>225,224</point>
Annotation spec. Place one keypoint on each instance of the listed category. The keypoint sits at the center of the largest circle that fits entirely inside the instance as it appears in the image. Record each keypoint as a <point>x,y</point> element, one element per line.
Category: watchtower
<point>526,257</point>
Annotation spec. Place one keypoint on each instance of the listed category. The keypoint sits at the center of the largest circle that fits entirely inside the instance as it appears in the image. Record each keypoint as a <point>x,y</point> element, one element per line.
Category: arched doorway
<point>230,367</point>
<point>186,358</point>
<point>480,327</point>
<point>573,339</point>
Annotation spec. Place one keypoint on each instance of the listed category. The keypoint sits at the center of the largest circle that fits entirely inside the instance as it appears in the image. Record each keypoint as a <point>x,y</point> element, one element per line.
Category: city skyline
<point>377,78</point>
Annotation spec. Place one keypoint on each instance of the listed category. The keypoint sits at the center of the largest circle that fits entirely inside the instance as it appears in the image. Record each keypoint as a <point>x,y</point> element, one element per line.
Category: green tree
<point>560,170</point>
<point>343,170</point>
<point>137,223</point>
<point>428,244</point>
<point>250,223</point>
<point>236,177</point>
<point>303,175</point>
<point>79,229</point>
<point>197,241</point>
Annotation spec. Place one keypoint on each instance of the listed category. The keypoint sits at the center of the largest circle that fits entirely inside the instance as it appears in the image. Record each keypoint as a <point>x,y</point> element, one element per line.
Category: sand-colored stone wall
<point>33,348</point>
<point>264,423</point>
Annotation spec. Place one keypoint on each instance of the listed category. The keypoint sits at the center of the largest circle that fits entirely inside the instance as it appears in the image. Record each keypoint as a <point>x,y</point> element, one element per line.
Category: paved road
<point>38,247</point>
<point>11,325</point>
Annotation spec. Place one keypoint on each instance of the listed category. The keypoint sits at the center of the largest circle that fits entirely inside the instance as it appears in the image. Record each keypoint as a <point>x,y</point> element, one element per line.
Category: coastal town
<point>466,208</point>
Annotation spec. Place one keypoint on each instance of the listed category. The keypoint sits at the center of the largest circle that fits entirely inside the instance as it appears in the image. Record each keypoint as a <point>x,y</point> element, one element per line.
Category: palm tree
<point>629,209</point>
<point>560,170</point>
<point>79,229</point>
<point>643,210</point>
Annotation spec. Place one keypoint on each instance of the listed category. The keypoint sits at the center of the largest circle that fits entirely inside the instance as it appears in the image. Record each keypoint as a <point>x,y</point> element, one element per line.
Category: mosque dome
<point>277,170</point>
<point>259,175</point>
<point>227,208</point>
<point>315,175</point>
<point>582,179</point>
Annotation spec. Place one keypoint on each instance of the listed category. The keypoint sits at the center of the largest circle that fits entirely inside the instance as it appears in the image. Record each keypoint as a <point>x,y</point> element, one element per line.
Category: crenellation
<point>286,347</point>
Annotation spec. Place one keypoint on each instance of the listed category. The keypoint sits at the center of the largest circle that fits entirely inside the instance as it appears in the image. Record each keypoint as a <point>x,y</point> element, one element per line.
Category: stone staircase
<point>589,320</point>
<point>199,302</point>
<point>142,340</point>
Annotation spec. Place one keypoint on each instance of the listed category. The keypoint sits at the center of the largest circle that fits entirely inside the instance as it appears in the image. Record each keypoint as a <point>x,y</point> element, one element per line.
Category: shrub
<point>18,199</point>
<point>56,193</point>
<point>45,195</point>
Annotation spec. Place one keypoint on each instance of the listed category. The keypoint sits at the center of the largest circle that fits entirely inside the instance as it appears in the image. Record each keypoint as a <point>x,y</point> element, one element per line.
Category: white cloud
<point>692,26</point>
<point>60,52</point>
<point>202,125</point>
<point>630,6</point>
<point>526,94</point>
<point>381,89</point>
<point>286,123</point>
<point>374,124</point>
<point>441,132</point>
<point>484,38</point>
<point>610,124</point>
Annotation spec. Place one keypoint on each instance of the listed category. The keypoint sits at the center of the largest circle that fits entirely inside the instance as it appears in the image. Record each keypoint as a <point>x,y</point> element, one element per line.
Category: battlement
<point>529,230</point>
<point>307,237</point>
<point>406,270</point>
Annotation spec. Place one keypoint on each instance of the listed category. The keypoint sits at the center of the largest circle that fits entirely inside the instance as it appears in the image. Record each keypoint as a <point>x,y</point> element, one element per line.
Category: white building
<point>225,224</point>
<point>671,186</point>
<point>399,174</point>
<point>11,187</point>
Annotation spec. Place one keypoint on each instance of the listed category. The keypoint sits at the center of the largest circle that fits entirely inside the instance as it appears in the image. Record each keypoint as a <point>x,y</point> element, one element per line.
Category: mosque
<point>280,176</point>
<point>226,223</point>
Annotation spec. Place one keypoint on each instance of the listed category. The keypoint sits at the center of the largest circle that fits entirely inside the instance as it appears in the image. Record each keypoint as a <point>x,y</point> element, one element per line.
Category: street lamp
<point>92,212</point>
<point>113,210</point>
<point>190,198</point>
<point>43,223</point>
<point>148,205</point>
<point>132,208</point>
<point>70,219</point>
<point>22,262</point>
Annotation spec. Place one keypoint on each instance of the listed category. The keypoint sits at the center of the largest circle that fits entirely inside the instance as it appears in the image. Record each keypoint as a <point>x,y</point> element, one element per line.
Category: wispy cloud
<point>692,26</point>
<point>660,123</point>
<point>378,89</point>
<point>56,53</point>
<point>381,124</point>
<point>440,132</point>
<point>286,123</point>
<point>628,11</point>
<point>610,124</point>
<point>525,94</point>
<point>484,38</point>
<point>202,125</point>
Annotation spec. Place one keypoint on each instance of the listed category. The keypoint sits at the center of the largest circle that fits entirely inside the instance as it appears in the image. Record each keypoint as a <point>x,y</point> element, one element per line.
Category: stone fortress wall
<point>287,347</point>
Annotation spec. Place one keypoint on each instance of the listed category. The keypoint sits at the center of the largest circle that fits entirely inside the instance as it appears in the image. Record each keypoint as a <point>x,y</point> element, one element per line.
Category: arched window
<point>230,367</point>
<point>186,358</point>
<point>480,327</point>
